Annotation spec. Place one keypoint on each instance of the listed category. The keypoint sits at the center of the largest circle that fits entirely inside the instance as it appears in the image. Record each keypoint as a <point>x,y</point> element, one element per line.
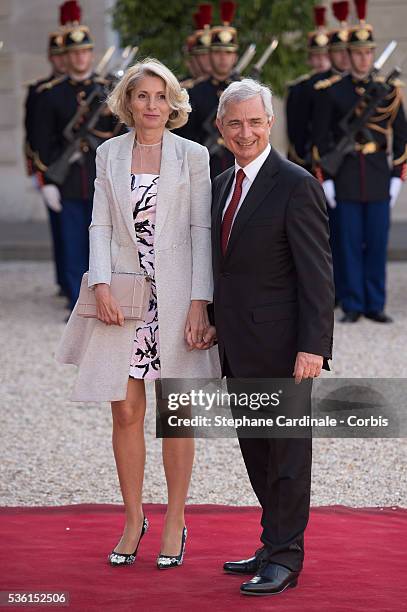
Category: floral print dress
<point>145,359</point>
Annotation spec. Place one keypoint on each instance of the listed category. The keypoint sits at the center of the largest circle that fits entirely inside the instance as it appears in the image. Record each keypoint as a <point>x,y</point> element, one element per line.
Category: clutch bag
<point>131,291</point>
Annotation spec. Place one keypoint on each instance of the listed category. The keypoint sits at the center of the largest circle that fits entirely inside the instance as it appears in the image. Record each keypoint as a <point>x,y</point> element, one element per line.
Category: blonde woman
<point>151,212</point>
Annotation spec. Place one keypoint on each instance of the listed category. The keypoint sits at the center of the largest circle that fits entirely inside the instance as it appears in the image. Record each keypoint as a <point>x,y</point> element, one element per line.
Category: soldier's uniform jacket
<point>34,91</point>
<point>204,100</point>
<point>365,173</point>
<point>299,115</point>
<point>188,81</point>
<point>56,107</point>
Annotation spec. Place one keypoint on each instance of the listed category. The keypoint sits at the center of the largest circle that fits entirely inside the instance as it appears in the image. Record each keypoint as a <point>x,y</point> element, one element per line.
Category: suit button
<point>225,274</point>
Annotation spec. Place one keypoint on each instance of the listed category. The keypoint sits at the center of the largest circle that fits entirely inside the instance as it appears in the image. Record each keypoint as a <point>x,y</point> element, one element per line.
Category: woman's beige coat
<point>182,267</point>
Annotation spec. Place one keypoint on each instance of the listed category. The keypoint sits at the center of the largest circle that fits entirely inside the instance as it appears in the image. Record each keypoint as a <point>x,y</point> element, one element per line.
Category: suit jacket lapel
<point>167,184</point>
<point>218,206</point>
<point>121,169</point>
<point>170,171</point>
<point>263,184</point>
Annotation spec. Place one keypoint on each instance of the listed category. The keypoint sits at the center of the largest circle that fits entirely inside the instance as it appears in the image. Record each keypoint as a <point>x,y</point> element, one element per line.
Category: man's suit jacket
<point>273,289</point>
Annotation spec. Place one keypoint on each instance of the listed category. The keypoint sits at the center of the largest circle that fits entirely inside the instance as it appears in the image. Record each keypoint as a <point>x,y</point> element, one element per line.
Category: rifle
<point>104,62</point>
<point>78,130</point>
<point>258,66</point>
<point>356,119</point>
<point>243,62</point>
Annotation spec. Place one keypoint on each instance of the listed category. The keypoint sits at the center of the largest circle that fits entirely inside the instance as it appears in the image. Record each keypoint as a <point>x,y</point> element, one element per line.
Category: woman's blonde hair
<point>177,97</point>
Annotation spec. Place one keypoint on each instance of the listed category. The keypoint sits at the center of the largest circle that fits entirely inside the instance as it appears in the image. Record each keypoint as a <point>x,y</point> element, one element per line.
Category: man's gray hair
<point>244,90</point>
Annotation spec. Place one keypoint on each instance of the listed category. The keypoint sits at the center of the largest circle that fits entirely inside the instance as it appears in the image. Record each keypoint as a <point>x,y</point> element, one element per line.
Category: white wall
<point>24,28</point>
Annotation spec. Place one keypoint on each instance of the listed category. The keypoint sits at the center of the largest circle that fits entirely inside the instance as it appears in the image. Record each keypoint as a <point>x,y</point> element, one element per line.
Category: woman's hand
<point>197,324</point>
<point>107,309</point>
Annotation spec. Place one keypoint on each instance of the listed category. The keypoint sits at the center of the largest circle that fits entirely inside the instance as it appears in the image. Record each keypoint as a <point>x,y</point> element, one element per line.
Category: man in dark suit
<point>273,310</point>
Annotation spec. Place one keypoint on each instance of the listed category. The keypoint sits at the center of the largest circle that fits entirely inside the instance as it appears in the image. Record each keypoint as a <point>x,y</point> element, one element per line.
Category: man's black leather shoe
<point>350,317</point>
<point>271,580</point>
<point>246,566</point>
<point>379,317</point>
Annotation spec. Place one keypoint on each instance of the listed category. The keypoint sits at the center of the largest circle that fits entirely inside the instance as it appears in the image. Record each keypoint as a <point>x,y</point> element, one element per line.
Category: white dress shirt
<point>251,171</point>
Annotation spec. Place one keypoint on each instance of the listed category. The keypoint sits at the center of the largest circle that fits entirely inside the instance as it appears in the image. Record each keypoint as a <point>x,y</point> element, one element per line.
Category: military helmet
<point>56,43</point>
<point>56,38</point>
<point>338,37</point>
<point>318,39</point>
<point>225,36</point>
<point>77,36</point>
<point>202,36</point>
<point>362,34</point>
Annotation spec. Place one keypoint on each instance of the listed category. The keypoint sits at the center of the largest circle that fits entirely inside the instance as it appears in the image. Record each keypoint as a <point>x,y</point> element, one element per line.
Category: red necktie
<point>231,209</point>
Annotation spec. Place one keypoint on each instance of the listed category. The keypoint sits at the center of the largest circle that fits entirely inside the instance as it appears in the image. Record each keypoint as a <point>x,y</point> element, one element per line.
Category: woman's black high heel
<point>167,561</point>
<point>116,559</point>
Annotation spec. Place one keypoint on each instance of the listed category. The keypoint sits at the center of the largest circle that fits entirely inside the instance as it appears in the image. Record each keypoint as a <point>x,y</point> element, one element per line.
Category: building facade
<point>24,28</point>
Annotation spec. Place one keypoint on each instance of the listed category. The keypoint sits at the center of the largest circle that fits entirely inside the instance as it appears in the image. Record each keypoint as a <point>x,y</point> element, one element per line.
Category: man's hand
<point>107,309</point>
<point>52,197</point>
<point>329,189</point>
<point>307,365</point>
<point>209,339</point>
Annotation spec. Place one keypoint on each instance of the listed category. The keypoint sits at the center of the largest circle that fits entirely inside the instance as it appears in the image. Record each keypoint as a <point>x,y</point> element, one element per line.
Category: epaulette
<point>300,79</point>
<point>33,83</point>
<point>325,83</point>
<point>50,84</point>
<point>397,83</point>
<point>188,83</point>
<point>101,80</point>
<point>196,81</point>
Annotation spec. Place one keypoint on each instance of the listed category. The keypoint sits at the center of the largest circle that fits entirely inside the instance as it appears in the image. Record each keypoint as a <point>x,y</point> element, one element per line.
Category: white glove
<point>34,181</point>
<point>329,189</point>
<point>52,197</point>
<point>395,186</point>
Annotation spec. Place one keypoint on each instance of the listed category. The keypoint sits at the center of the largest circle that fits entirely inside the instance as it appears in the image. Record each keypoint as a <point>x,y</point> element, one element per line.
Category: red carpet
<point>355,560</point>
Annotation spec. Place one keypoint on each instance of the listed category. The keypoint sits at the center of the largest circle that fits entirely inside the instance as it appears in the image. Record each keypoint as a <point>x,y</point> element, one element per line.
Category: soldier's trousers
<point>76,217</point>
<point>362,230</point>
<point>335,248</point>
<point>57,248</point>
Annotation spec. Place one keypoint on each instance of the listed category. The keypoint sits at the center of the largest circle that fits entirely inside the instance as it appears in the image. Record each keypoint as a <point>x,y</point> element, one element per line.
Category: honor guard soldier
<point>361,184</point>
<point>340,64</point>
<point>337,48</point>
<point>197,48</point>
<point>56,57</point>
<point>204,96</point>
<point>300,93</point>
<point>62,102</point>
<point>188,81</point>
<point>202,41</point>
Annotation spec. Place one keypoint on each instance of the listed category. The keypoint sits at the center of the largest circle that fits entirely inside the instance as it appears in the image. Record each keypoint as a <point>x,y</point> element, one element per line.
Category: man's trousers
<point>279,470</point>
